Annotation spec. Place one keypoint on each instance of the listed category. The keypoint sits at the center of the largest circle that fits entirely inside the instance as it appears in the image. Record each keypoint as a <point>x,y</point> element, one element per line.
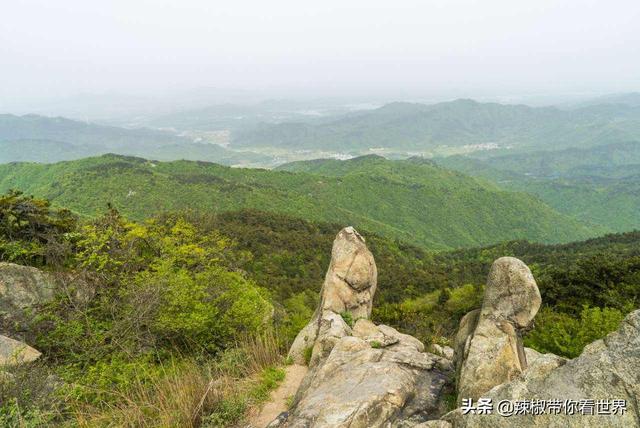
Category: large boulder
<point>607,370</point>
<point>348,289</point>
<point>21,289</point>
<point>372,378</point>
<point>489,344</point>
<point>14,352</point>
<point>362,375</point>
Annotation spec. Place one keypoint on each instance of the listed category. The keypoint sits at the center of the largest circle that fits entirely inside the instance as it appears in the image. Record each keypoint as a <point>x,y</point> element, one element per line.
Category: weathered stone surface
<point>362,386</point>
<point>493,353</point>
<point>13,352</point>
<point>349,286</point>
<point>374,336</point>
<point>538,364</point>
<point>468,324</point>
<point>607,369</point>
<point>443,350</point>
<point>373,376</point>
<point>21,289</point>
<point>511,293</point>
<point>433,424</point>
<point>351,279</point>
<point>331,328</point>
<point>369,375</point>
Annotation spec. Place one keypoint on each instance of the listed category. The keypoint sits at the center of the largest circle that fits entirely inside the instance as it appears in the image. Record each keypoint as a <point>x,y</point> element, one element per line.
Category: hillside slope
<point>412,200</point>
<point>598,185</point>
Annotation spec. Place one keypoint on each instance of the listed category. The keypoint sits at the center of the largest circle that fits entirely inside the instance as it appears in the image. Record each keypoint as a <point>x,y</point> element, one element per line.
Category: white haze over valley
<point>125,58</point>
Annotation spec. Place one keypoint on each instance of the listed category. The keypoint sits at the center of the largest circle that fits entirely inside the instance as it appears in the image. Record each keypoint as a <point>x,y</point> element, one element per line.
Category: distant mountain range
<point>243,116</point>
<point>631,99</point>
<point>269,133</point>
<point>420,127</point>
<point>45,139</point>
<point>412,200</point>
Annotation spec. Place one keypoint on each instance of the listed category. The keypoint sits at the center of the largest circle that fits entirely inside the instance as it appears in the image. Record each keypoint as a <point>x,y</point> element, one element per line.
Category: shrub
<point>29,396</point>
<point>375,344</point>
<point>347,317</point>
<point>308,353</point>
<point>298,310</point>
<point>33,233</point>
<point>567,336</point>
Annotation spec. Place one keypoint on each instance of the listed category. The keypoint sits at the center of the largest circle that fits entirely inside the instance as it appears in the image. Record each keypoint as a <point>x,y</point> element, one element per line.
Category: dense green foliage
<point>184,279</point>
<point>599,185</point>
<point>411,200</point>
<point>135,303</point>
<point>152,310</point>
<point>31,232</point>
<point>562,334</point>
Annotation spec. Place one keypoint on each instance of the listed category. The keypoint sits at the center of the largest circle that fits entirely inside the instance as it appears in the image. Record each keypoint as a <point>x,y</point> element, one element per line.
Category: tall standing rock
<point>364,375</point>
<point>607,371</point>
<point>493,354</point>
<point>349,286</point>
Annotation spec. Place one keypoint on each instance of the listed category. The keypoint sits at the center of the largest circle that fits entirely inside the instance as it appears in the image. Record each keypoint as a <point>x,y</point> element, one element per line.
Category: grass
<point>308,353</point>
<point>193,392</point>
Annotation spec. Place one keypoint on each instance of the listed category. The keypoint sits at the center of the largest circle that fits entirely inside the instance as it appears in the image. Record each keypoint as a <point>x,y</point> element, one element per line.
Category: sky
<point>285,48</point>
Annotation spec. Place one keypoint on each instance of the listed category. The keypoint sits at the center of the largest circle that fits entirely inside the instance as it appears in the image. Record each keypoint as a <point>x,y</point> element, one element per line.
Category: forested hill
<point>599,185</point>
<point>412,200</point>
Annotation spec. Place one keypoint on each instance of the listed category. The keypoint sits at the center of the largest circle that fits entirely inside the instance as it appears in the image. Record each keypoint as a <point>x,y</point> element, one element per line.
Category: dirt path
<point>278,401</point>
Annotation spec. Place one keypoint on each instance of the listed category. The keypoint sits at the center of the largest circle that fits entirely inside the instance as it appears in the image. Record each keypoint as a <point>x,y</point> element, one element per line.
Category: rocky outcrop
<point>489,343</point>
<point>608,369</point>
<point>14,352</point>
<point>367,375</point>
<point>21,289</point>
<point>348,290</point>
<point>364,375</point>
<point>492,364</point>
<point>371,378</point>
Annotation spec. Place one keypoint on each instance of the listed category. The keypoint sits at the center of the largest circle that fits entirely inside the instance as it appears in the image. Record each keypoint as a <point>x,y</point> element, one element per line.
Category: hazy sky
<point>323,47</point>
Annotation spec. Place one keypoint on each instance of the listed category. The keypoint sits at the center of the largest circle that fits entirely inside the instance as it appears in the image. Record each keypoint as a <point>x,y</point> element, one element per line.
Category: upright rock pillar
<point>492,352</point>
<point>349,287</point>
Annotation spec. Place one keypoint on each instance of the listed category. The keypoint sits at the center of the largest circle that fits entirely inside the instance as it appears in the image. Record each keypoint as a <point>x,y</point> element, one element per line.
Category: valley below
<point>234,266</point>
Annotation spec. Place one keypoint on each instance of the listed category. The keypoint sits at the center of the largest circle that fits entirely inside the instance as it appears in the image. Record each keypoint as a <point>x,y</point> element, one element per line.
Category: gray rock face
<point>367,375</point>
<point>468,324</point>
<point>364,383</point>
<point>22,288</point>
<point>493,353</point>
<point>511,293</point>
<point>349,286</point>
<point>444,351</point>
<point>607,369</point>
<point>14,352</point>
